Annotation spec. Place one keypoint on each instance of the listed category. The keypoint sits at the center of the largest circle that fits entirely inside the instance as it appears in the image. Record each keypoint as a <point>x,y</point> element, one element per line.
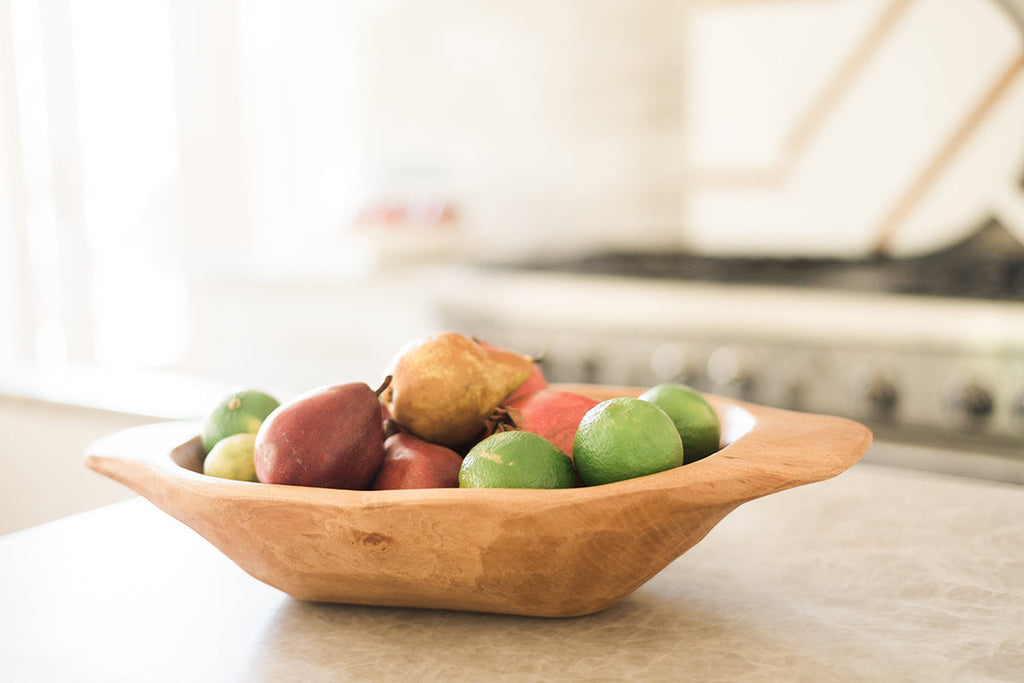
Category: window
<point>146,143</point>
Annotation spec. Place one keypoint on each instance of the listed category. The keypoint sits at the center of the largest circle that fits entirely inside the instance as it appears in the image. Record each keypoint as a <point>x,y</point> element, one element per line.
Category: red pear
<point>331,437</point>
<point>551,413</point>
<point>412,463</point>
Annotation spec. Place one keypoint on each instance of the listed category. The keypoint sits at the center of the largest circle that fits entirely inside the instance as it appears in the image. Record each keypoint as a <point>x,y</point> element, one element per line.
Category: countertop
<point>880,574</point>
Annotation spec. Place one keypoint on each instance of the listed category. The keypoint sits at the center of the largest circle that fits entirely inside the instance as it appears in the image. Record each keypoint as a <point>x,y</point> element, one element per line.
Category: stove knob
<point>882,397</point>
<point>973,401</point>
<point>589,371</point>
<point>873,393</point>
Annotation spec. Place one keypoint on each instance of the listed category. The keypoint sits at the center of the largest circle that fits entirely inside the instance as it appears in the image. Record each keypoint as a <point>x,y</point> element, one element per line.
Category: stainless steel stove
<point>988,265</point>
<point>928,351</point>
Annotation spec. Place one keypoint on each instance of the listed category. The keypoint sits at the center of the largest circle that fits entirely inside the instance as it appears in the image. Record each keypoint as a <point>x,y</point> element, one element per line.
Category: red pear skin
<point>331,437</point>
<point>412,463</point>
<point>553,414</point>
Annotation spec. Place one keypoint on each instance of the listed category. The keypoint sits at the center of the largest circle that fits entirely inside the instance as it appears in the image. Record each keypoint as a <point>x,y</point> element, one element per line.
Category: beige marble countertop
<point>878,575</point>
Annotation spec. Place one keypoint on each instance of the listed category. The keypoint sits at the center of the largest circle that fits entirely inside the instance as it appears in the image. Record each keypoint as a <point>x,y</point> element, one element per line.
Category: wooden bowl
<point>550,553</point>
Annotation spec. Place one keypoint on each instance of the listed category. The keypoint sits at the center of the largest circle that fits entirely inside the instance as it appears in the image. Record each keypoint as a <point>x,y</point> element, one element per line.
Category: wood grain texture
<point>533,552</point>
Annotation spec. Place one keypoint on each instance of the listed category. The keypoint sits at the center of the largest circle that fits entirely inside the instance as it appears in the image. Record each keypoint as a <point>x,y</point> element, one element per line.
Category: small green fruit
<point>695,419</point>
<point>516,460</point>
<point>237,413</point>
<point>233,458</point>
<point>623,438</point>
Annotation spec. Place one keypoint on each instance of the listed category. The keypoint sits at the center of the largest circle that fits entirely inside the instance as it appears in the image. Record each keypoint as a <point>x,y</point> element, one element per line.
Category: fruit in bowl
<point>412,463</point>
<point>516,460</point>
<point>562,551</point>
<point>240,412</point>
<point>331,437</point>
<point>445,394</point>
<point>445,387</point>
<point>540,552</point>
<point>623,438</point>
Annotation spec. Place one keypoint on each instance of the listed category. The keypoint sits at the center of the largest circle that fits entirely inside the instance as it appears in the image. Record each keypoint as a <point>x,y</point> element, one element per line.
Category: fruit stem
<point>383,386</point>
<point>503,419</point>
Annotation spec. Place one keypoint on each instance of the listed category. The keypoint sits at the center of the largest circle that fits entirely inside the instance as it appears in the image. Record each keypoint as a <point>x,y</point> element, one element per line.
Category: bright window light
<point>129,170</point>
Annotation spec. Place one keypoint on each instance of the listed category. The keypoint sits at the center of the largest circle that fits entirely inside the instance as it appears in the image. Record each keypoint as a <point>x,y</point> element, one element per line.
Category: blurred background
<point>815,205</point>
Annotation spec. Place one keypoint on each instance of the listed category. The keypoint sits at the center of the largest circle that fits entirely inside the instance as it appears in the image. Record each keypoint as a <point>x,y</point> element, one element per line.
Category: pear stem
<point>383,386</point>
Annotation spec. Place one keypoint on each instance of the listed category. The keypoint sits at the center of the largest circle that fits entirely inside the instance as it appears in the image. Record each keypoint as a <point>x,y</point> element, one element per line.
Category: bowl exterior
<point>551,553</point>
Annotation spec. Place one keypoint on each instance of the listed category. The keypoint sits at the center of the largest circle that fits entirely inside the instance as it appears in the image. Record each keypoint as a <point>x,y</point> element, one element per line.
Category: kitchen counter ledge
<point>880,574</point>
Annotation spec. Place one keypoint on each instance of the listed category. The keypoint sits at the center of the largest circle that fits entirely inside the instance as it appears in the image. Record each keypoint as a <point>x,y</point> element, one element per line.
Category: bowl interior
<point>189,455</point>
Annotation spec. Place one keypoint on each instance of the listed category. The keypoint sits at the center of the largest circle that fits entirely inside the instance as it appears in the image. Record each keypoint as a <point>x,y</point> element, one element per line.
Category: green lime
<point>693,416</point>
<point>233,458</point>
<point>237,413</point>
<point>623,438</point>
<point>516,460</point>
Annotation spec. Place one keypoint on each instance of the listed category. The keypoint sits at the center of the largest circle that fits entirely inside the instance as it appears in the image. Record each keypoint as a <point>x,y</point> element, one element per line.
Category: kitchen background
<point>201,195</point>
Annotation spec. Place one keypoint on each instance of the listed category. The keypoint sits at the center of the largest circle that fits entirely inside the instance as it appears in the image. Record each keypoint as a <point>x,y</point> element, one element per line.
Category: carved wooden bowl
<point>551,553</point>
